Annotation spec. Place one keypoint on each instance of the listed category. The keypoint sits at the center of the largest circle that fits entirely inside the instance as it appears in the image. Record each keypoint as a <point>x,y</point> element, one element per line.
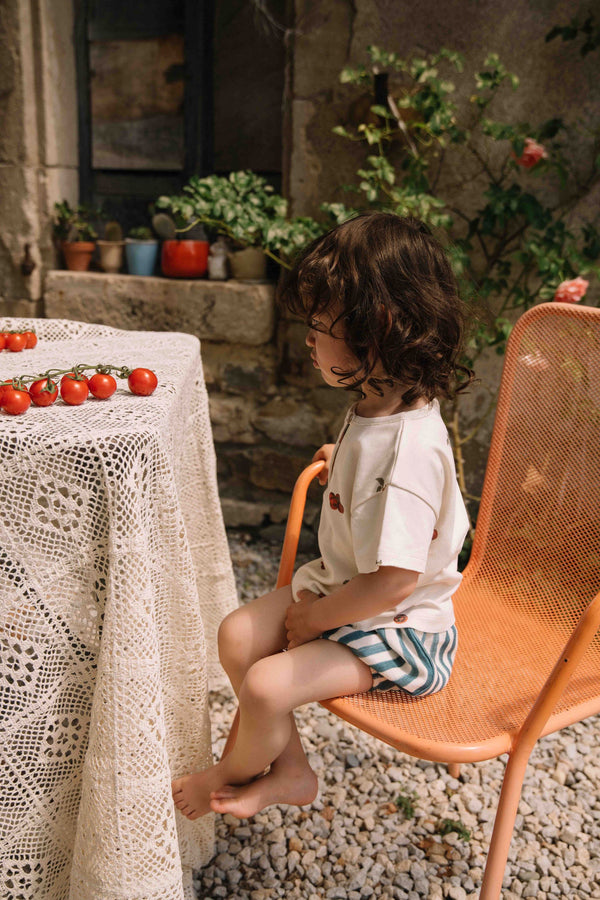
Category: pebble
<point>356,842</point>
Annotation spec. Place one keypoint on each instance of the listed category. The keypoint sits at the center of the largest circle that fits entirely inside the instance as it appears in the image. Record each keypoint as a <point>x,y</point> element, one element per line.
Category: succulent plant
<point>141,233</point>
<point>113,232</point>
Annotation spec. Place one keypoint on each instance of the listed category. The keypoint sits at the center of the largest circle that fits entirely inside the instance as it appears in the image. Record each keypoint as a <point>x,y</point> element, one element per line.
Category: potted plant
<point>141,251</point>
<point>111,248</point>
<point>184,252</point>
<point>244,208</point>
<point>75,234</point>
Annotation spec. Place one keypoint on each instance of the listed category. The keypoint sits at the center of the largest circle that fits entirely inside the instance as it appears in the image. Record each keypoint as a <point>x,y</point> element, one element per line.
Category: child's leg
<point>254,631</point>
<point>248,634</point>
<point>272,688</point>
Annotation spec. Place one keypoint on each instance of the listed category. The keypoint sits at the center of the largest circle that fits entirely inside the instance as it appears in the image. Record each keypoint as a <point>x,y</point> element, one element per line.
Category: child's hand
<point>324,453</point>
<point>297,620</point>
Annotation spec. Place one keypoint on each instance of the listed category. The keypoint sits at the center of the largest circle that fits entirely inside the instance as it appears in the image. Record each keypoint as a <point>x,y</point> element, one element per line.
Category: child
<point>375,611</point>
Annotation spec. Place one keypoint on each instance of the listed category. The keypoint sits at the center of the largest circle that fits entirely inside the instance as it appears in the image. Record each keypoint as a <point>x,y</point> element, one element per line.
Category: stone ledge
<point>231,311</point>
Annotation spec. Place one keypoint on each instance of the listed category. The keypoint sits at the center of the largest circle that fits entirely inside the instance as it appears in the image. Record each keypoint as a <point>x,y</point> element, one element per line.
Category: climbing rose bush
<point>532,153</point>
<point>571,291</point>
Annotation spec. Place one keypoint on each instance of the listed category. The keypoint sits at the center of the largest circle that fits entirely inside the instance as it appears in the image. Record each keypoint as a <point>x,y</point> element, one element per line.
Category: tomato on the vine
<point>142,382</point>
<point>15,401</point>
<point>43,392</point>
<point>31,339</point>
<point>102,386</point>
<point>3,339</point>
<point>16,342</point>
<point>73,391</point>
<point>3,388</point>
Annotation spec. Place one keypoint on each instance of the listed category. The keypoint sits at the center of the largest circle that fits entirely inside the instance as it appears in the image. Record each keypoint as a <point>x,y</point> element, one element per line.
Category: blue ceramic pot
<point>141,256</point>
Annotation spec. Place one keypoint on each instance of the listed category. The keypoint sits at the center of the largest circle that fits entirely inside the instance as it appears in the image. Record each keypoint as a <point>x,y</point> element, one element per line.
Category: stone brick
<point>21,309</point>
<point>218,311</point>
<point>270,468</point>
<point>231,418</point>
<point>238,368</point>
<point>239,513</point>
<point>292,421</point>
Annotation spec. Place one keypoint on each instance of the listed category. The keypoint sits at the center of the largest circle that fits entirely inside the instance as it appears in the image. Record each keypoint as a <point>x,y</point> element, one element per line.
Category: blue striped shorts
<point>418,662</point>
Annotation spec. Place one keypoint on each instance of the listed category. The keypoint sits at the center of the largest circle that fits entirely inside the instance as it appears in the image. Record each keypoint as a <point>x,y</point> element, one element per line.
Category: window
<point>169,88</point>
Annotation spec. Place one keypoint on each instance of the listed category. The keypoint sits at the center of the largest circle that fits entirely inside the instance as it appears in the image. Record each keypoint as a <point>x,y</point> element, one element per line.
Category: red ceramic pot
<point>184,259</point>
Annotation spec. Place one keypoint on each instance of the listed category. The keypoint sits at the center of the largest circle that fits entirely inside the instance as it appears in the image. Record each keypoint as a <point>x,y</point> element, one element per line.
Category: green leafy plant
<point>447,826</point>
<point>406,802</point>
<point>245,208</point>
<point>510,240</point>
<point>74,223</point>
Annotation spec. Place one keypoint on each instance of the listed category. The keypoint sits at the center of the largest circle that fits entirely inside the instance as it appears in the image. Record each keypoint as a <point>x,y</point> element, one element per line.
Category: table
<point>114,575</point>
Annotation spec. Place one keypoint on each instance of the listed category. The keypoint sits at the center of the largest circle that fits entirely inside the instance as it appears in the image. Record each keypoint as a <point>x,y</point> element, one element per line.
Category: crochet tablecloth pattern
<point>114,575</point>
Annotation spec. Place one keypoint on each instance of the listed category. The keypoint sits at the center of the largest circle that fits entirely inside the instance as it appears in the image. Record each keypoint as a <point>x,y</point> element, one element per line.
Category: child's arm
<point>362,597</point>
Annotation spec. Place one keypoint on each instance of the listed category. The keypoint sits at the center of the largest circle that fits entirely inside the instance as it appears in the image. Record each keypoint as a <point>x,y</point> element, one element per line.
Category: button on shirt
<point>392,499</point>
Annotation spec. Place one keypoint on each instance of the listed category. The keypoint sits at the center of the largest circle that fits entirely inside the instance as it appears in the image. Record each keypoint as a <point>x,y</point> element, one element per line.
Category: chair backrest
<point>538,530</point>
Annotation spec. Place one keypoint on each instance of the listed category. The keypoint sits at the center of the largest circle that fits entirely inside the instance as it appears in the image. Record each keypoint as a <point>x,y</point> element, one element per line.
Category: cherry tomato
<point>142,382</point>
<point>3,339</point>
<point>15,402</point>
<point>74,391</point>
<point>3,388</point>
<point>31,339</point>
<point>16,342</point>
<point>102,386</point>
<point>40,394</point>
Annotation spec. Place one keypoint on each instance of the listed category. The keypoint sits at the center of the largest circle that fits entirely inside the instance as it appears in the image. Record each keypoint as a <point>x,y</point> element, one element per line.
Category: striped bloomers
<point>417,662</point>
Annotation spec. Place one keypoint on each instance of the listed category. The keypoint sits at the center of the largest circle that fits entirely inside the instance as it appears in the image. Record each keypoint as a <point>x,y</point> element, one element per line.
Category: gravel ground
<point>387,825</point>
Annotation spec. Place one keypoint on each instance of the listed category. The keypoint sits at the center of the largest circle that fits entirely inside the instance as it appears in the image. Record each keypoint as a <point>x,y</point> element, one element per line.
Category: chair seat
<point>502,662</point>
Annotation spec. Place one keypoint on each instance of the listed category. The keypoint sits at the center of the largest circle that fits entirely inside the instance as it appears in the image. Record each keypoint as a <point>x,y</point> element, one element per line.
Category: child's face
<point>329,350</point>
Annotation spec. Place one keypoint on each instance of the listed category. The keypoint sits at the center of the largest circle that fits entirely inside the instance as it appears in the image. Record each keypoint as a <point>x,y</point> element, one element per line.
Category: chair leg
<point>504,824</point>
<point>454,770</point>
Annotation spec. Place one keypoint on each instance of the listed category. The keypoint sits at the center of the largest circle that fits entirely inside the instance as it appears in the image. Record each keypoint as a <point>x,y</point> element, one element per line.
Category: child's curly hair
<point>389,283</point>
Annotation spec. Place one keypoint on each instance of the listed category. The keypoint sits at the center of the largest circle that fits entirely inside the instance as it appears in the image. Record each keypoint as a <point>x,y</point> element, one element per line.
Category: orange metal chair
<point>528,608</point>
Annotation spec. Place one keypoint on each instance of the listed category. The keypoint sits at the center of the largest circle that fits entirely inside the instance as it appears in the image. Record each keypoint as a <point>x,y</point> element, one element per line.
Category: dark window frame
<point>198,102</point>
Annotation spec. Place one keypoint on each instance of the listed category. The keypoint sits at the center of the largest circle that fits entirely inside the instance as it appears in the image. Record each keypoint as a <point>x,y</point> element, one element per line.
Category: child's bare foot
<point>280,785</point>
<point>191,793</point>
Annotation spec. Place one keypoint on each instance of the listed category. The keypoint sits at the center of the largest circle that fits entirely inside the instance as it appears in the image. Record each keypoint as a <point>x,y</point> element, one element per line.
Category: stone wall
<point>38,141</point>
<point>269,409</point>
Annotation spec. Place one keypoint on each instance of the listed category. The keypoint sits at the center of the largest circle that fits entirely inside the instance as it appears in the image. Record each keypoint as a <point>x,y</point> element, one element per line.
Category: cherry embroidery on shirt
<point>335,502</point>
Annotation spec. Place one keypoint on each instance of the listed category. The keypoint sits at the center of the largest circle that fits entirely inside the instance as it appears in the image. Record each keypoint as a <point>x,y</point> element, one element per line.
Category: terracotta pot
<point>78,254</point>
<point>111,255</point>
<point>249,264</point>
<point>184,259</point>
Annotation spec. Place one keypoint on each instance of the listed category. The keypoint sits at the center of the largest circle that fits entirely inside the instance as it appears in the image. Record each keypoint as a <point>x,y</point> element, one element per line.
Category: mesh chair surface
<point>528,590</point>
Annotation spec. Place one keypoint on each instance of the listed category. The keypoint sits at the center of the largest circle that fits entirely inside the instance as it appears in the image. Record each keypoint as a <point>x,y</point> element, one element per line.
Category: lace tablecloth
<point>114,574</point>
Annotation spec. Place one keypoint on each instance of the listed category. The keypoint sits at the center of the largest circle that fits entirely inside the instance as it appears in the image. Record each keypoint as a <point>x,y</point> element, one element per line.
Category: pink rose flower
<point>571,291</point>
<point>532,153</point>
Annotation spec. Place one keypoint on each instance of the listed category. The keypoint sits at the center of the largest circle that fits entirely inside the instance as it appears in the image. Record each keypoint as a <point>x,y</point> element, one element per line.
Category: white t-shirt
<point>392,499</point>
